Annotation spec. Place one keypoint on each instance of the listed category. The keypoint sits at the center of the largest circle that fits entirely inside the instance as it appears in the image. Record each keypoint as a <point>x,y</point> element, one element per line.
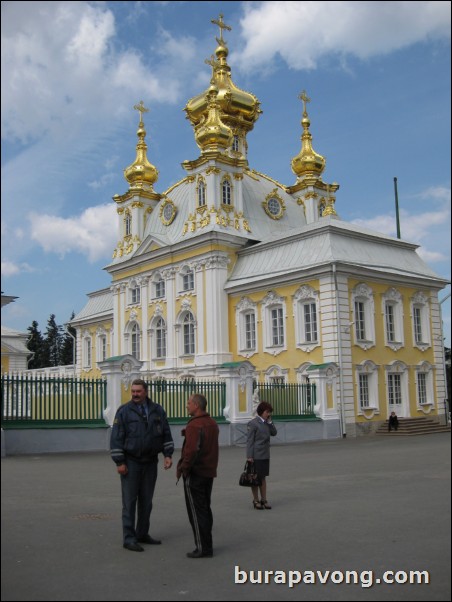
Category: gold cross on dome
<point>222,25</point>
<point>141,109</point>
<point>304,99</point>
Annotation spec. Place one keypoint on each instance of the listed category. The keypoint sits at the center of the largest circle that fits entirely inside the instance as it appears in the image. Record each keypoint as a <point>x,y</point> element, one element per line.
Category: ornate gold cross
<point>141,109</point>
<point>304,99</point>
<point>222,25</point>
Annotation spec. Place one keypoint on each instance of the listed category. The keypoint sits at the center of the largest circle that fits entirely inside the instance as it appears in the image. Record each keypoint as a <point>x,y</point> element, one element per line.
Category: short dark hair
<point>138,382</point>
<point>200,400</point>
<point>264,405</point>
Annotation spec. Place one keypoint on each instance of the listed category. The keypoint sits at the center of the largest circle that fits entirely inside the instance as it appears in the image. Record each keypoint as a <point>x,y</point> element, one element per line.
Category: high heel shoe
<point>265,504</point>
<point>257,505</point>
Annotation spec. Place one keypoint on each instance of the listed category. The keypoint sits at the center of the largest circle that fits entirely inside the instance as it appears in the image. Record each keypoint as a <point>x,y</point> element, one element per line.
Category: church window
<point>246,322</point>
<point>306,311</point>
<point>160,338</point>
<point>201,194</point>
<point>135,341</point>
<point>226,192</point>
<point>363,316</point>
<point>367,385</point>
<point>393,319</point>
<point>277,326</point>
<point>189,334</point>
<point>250,331</point>
<point>274,316</point>
<point>128,223</point>
<point>135,294</point>
<point>101,348</point>
<point>235,144</point>
<point>188,279</point>
<point>420,321</point>
<point>87,352</point>
<point>424,384</point>
<point>159,287</point>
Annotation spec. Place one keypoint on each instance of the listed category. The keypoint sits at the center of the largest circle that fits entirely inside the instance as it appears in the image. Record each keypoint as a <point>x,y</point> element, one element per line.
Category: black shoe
<point>150,540</point>
<point>199,554</point>
<point>133,547</point>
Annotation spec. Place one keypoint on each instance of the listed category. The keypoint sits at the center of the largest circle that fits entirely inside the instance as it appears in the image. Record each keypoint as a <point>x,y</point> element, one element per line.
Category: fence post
<point>119,371</point>
<point>239,390</point>
<point>324,376</point>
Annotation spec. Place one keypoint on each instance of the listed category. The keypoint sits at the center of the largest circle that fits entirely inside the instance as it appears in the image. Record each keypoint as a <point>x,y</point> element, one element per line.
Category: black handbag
<point>249,477</point>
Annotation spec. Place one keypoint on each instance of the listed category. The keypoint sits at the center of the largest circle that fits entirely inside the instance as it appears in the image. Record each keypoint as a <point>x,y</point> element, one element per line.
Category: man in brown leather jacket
<point>198,467</point>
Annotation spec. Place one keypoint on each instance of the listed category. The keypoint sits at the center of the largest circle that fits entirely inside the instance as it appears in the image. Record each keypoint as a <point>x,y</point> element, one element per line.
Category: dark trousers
<point>198,493</point>
<point>137,488</point>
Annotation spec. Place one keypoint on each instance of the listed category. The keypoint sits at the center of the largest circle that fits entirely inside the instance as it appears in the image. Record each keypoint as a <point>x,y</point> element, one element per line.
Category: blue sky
<point>377,73</point>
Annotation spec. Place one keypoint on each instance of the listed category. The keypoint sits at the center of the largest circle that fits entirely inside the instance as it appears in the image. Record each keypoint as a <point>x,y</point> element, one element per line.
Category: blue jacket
<point>140,439</point>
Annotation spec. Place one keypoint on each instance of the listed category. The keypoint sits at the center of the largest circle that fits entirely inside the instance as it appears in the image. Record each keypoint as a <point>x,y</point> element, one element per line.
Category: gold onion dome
<point>212,133</point>
<point>238,108</point>
<point>307,162</point>
<point>141,171</point>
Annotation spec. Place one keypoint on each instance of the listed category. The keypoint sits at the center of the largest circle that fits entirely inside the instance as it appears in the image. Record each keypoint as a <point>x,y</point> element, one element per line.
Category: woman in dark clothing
<point>260,429</point>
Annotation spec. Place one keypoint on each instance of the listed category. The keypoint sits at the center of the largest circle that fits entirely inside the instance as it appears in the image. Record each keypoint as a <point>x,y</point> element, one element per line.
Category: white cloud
<point>64,54</point>
<point>93,233</point>
<point>9,268</point>
<point>303,33</point>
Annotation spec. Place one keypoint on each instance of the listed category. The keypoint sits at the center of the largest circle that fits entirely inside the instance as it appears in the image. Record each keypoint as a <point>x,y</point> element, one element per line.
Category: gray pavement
<point>368,504</point>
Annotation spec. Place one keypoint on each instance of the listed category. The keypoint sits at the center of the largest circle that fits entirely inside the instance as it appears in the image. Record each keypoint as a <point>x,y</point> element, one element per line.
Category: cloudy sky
<point>377,73</point>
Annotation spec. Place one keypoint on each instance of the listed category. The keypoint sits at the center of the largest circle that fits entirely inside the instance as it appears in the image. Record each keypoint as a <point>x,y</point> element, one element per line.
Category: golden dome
<point>238,108</point>
<point>212,134</point>
<point>141,171</point>
<point>307,162</point>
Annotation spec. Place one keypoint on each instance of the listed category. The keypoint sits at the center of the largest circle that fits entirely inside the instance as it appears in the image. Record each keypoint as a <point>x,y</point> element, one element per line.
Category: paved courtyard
<point>343,510</point>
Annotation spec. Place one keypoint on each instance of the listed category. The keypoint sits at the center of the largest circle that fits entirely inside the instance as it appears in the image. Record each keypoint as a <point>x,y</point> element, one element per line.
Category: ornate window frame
<point>246,314</point>
<point>363,309</point>
<point>132,337</point>
<point>158,325</point>
<point>420,321</point>
<point>271,303</point>
<point>134,292</point>
<point>168,211</point>
<point>367,372</point>
<point>226,190</point>
<point>276,375</point>
<point>201,193</point>
<point>275,210</point>
<point>101,344</point>
<point>186,325</point>
<point>392,310</point>
<point>304,298</point>
<point>87,351</point>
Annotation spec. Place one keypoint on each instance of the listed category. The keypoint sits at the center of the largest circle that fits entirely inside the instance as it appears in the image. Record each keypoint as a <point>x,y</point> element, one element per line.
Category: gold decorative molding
<point>274,205</point>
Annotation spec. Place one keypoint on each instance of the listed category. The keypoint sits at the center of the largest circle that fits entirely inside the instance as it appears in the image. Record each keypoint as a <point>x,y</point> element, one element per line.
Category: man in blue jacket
<point>140,432</point>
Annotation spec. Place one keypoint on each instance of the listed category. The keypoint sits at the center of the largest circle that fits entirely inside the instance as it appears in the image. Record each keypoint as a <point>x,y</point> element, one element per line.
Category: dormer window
<point>128,223</point>
<point>226,192</point>
<point>201,194</point>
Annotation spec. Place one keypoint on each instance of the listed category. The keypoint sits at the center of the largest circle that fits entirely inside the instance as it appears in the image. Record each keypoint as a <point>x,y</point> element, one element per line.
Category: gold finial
<point>222,25</point>
<point>141,109</point>
<point>304,99</point>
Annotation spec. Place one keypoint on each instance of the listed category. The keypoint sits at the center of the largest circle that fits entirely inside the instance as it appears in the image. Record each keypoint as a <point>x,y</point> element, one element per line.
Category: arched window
<point>201,193</point>
<point>135,341</point>
<point>128,223</point>
<point>160,338</point>
<point>188,324</point>
<point>226,192</point>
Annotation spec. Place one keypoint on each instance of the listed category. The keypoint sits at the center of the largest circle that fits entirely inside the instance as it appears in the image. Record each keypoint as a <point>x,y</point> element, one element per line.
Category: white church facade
<point>229,267</point>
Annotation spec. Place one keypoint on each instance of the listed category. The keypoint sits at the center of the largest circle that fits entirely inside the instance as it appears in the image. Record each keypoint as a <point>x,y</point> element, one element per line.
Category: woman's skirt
<point>262,467</point>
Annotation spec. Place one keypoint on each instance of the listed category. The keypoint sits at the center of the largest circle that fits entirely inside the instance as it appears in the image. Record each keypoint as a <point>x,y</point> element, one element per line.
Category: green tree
<point>53,342</point>
<point>36,346</point>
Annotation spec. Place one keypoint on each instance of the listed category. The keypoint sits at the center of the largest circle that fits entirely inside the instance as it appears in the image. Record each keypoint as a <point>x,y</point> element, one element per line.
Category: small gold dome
<point>307,162</point>
<point>141,171</point>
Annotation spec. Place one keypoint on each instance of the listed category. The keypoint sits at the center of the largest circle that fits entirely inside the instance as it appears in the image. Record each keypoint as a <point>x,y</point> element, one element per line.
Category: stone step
<point>414,426</point>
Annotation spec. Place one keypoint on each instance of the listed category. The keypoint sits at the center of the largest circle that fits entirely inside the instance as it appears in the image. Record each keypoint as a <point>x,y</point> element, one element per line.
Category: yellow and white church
<point>229,267</point>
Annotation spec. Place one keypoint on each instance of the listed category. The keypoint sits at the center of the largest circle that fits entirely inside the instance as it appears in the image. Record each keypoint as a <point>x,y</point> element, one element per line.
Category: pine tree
<point>68,348</point>
<point>36,346</point>
<point>53,342</point>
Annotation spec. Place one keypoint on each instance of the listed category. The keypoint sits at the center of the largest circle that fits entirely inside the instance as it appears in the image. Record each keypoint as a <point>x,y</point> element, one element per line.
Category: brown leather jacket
<point>200,448</point>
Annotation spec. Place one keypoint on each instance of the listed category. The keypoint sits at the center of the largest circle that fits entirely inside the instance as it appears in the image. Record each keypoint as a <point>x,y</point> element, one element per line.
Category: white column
<point>122,309</point>
<point>115,346</point>
<point>144,323</point>
<point>171,347</point>
<point>216,311</point>
<point>200,314</point>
